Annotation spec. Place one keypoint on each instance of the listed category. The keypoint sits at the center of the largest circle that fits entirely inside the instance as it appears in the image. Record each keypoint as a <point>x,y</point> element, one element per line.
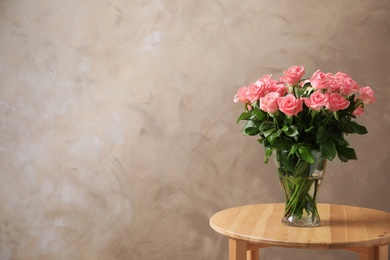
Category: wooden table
<point>249,228</point>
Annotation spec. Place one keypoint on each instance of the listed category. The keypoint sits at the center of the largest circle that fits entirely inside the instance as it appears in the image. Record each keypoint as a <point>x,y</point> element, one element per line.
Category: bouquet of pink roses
<point>301,115</point>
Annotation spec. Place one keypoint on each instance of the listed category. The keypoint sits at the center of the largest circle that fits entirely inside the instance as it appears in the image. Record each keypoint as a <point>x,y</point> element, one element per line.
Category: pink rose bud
<point>358,111</point>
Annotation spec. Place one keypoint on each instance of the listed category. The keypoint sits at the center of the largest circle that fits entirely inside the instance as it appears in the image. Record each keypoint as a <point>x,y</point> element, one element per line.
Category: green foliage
<point>309,130</point>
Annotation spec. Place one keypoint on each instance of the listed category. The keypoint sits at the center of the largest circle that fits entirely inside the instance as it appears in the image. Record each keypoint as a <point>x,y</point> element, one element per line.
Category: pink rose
<point>270,85</point>
<point>347,85</point>
<point>293,75</point>
<point>249,94</point>
<point>316,101</point>
<point>241,95</point>
<point>336,102</point>
<point>269,102</point>
<point>358,111</point>
<point>366,95</point>
<point>277,86</point>
<point>319,80</point>
<point>334,84</point>
<point>290,105</point>
<point>265,80</point>
<point>255,92</point>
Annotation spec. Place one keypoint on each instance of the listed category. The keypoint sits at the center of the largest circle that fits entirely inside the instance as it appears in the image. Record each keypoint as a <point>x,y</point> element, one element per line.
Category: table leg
<point>375,253</point>
<point>252,254</point>
<point>237,249</point>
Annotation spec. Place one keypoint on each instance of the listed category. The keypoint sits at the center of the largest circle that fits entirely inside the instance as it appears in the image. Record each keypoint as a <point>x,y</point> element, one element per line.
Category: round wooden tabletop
<point>341,227</point>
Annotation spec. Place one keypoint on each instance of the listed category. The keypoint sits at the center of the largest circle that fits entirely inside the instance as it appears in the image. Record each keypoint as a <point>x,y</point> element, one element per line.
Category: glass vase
<point>301,182</point>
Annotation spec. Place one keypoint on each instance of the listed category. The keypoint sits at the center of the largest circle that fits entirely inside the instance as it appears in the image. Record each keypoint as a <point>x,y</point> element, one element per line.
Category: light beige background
<point>118,137</point>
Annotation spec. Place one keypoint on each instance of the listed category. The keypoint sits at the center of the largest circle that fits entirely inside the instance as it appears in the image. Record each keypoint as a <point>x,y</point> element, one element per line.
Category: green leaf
<point>358,129</point>
<point>294,181</point>
<point>268,153</point>
<point>250,128</point>
<point>346,153</point>
<point>301,169</point>
<point>338,138</point>
<point>282,144</point>
<point>328,149</point>
<point>265,143</point>
<point>346,127</point>
<point>260,114</point>
<point>288,120</point>
<point>287,162</point>
<point>251,131</point>
<point>293,150</point>
<point>305,152</point>
<point>266,125</point>
<point>322,134</point>
<point>268,132</point>
<point>244,116</point>
<point>291,131</point>
<point>336,116</point>
<point>275,135</point>
<point>351,106</point>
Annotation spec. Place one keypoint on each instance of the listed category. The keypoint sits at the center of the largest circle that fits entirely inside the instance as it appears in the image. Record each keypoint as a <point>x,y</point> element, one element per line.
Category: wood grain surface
<point>341,227</point>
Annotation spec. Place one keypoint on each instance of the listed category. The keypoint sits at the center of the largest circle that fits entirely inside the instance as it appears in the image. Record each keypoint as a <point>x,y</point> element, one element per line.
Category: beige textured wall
<point>117,128</point>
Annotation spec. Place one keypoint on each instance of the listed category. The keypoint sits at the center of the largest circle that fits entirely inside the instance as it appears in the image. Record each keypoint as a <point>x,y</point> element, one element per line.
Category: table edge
<point>334,245</point>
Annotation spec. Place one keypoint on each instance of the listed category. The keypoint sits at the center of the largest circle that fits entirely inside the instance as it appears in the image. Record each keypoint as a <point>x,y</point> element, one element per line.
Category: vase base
<point>301,222</point>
